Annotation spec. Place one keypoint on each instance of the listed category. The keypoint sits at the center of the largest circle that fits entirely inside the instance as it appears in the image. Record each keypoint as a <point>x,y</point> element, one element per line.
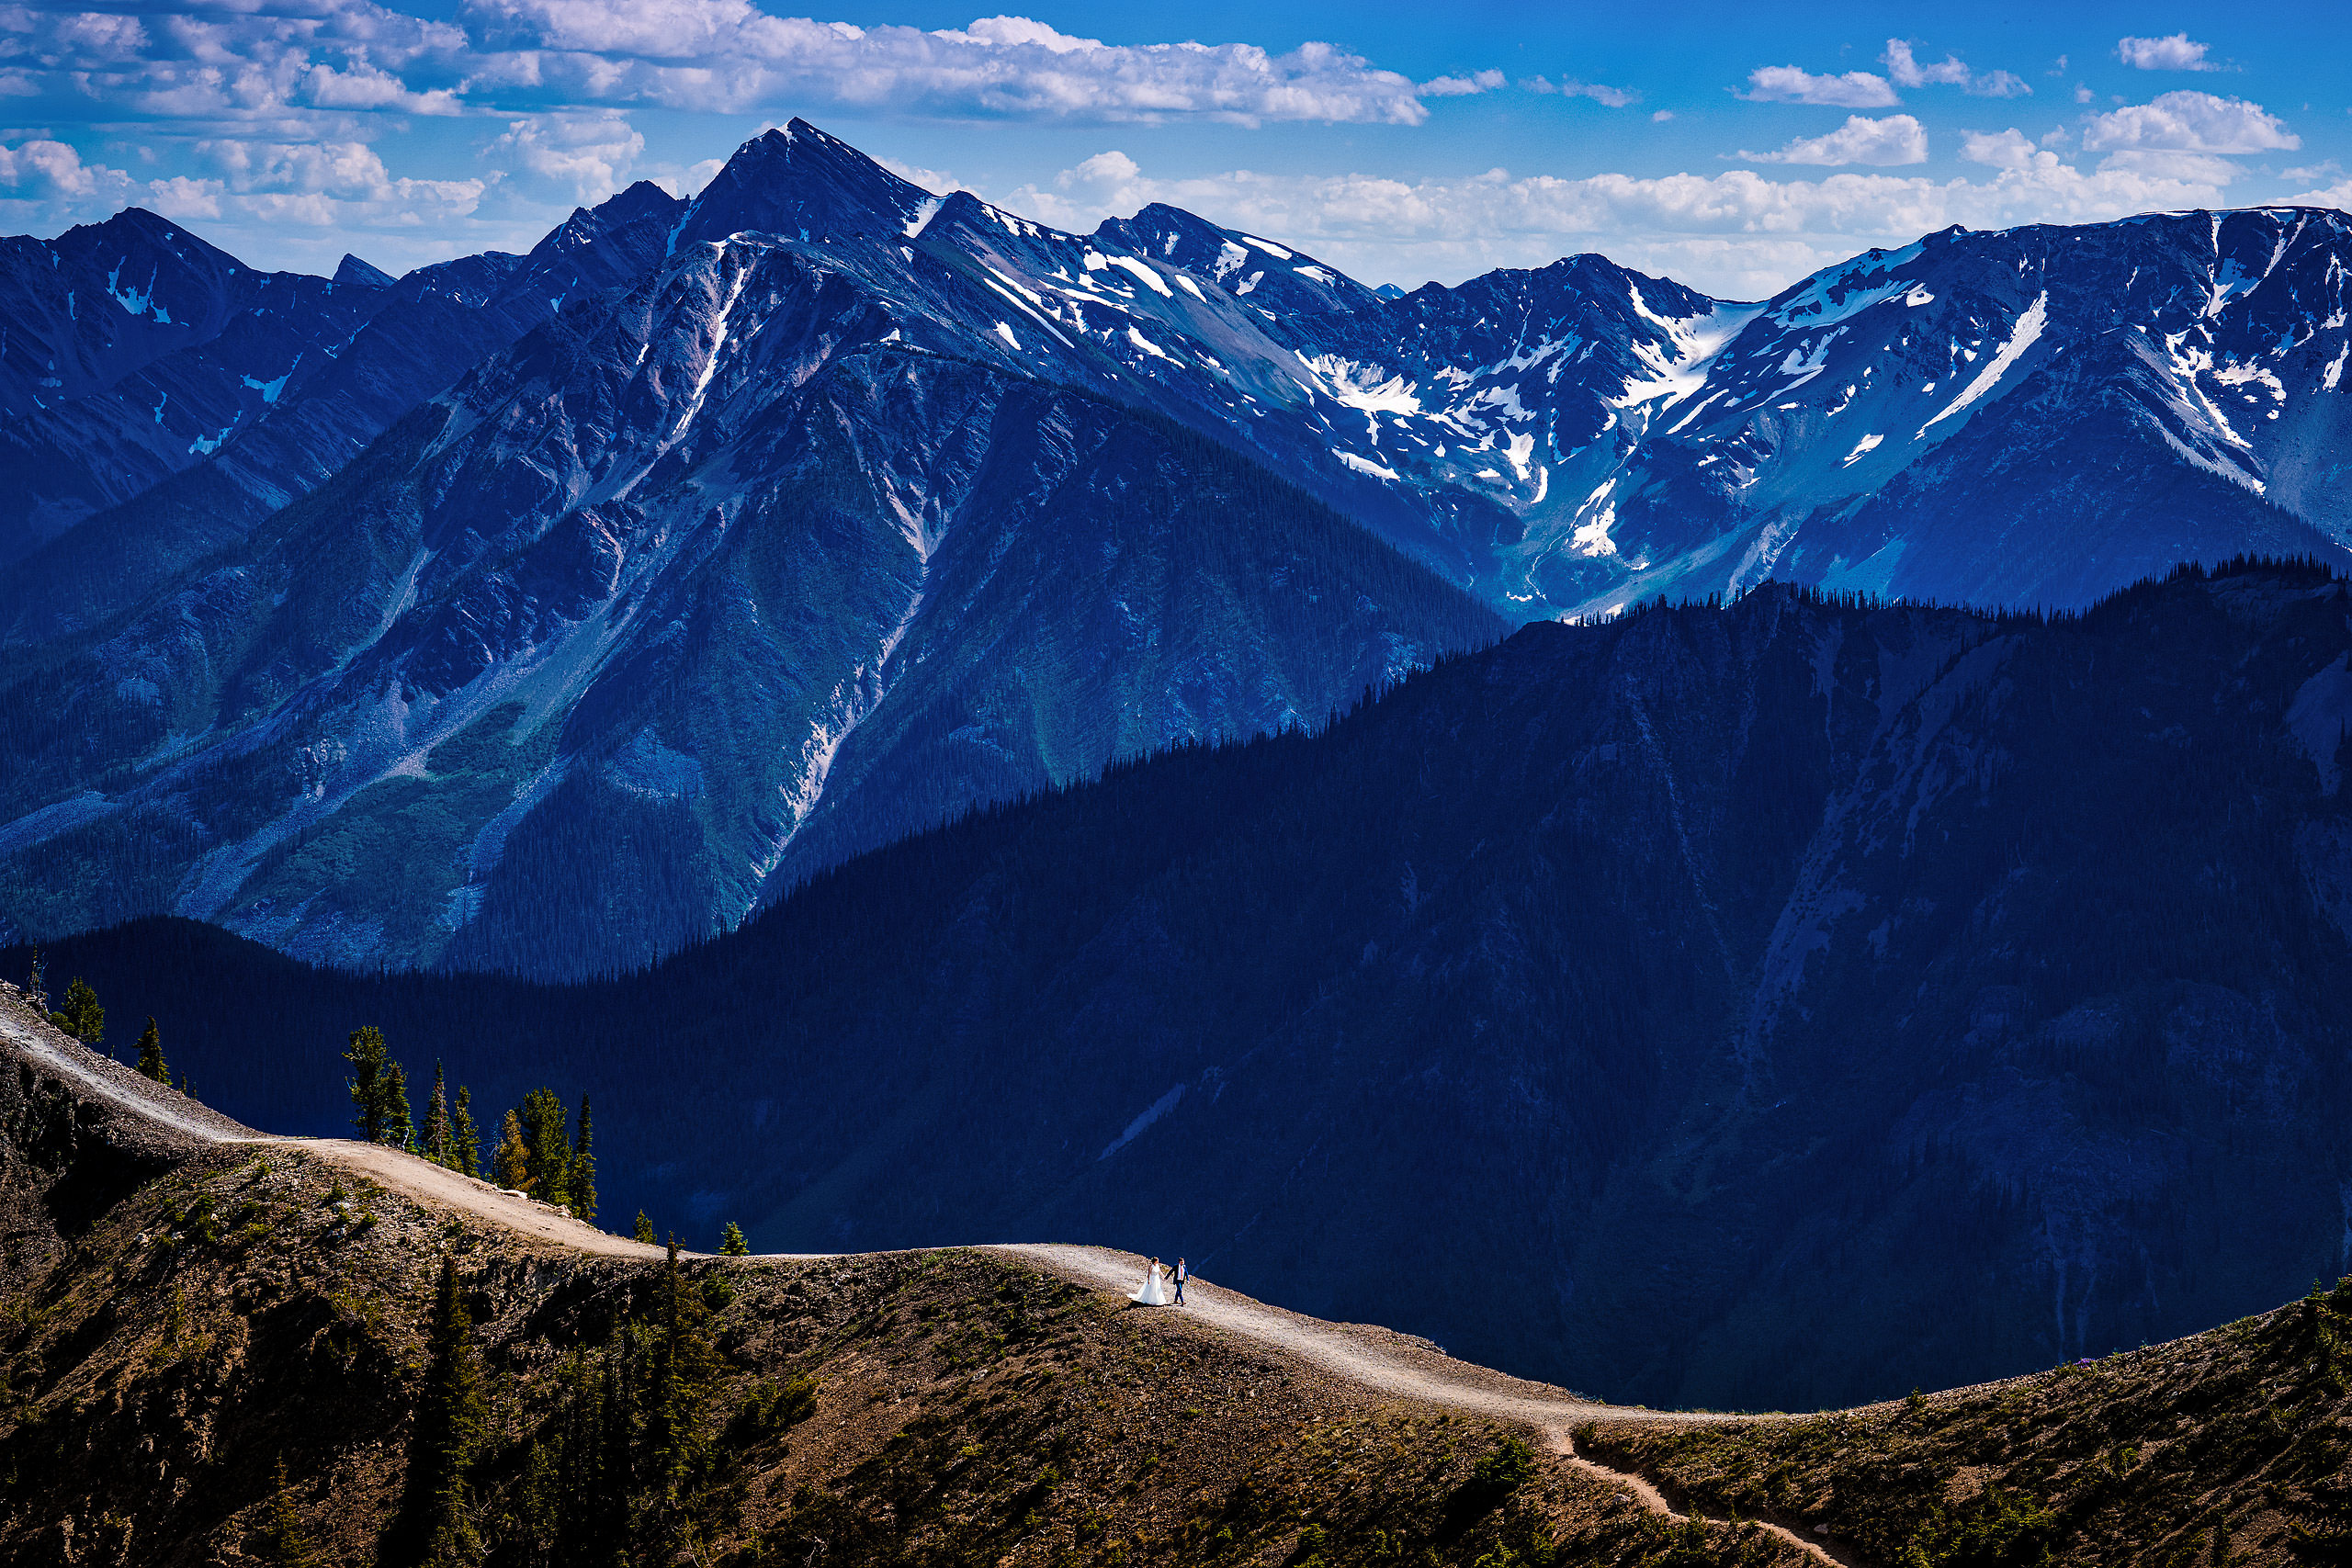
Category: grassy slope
<point>2228,1446</point>
<point>174,1324</point>
<point>246,1306</point>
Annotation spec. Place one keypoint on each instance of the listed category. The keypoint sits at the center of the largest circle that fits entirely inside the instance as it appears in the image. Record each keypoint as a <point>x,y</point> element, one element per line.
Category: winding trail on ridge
<point>1378,1360</point>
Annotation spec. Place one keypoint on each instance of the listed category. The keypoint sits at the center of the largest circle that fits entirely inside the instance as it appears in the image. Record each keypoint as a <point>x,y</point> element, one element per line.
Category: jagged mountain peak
<point>136,230</point>
<point>1879,423</point>
<point>800,183</point>
<point>639,199</point>
<point>138,222</point>
<point>958,208</point>
<point>589,227</point>
<point>354,273</point>
<point>1273,276</point>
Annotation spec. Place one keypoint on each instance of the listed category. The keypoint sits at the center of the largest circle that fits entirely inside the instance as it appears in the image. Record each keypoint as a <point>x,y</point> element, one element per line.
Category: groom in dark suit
<point>1182,1275</point>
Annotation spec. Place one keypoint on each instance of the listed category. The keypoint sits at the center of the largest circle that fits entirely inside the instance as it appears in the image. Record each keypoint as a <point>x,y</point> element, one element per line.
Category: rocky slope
<point>717,540</point>
<point>762,559</point>
<point>1730,987</point>
<point>132,350</point>
<point>197,396</point>
<point>2033,416</point>
<point>241,1353</point>
<point>227,1354</point>
<point>2228,1446</point>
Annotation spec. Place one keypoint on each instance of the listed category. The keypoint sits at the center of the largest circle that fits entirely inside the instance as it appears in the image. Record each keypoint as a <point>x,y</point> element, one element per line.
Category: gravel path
<point>1360,1354</point>
<point>1388,1362</point>
<point>172,1119</point>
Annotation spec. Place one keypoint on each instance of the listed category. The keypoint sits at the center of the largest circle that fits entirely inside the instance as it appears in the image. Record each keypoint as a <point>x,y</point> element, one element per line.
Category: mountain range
<point>545,614</point>
<point>1770,1005</point>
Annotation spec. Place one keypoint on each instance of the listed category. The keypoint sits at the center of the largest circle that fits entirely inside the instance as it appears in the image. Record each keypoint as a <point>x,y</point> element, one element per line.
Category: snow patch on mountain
<point>2022,336</point>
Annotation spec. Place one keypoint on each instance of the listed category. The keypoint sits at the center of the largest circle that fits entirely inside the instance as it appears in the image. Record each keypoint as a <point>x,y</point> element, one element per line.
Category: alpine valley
<point>548,614</point>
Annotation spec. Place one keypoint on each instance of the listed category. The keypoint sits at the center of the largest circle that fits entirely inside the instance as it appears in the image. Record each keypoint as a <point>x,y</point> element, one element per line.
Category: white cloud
<point>2190,122</point>
<point>728,55</point>
<point>2202,168</point>
<point>589,153</point>
<point>936,181</point>
<point>1906,70</point>
<point>183,198</point>
<point>2338,195</point>
<point>330,183</point>
<point>364,86</point>
<point>2010,148</point>
<point>1661,116</point>
<point>1614,98</point>
<point>39,168</point>
<point>1108,175</point>
<point>2179,52</point>
<point>690,180</point>
<point>1897,138</point>
<point>1789,85</point>
<point>1462,87</point>
<point>1735,234</point>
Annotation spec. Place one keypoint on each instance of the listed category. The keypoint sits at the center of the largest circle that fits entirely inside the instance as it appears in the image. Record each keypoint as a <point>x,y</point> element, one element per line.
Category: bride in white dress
<point>1154,1293</point>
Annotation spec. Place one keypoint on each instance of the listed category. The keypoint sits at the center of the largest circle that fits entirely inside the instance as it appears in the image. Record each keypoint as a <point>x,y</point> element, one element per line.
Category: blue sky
<point>1733,147</point>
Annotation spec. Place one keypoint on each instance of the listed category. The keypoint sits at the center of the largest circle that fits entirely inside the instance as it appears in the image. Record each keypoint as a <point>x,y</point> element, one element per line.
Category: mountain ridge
<point>255,1310</point>
<point>1689,962</point>
<point>678,447</point>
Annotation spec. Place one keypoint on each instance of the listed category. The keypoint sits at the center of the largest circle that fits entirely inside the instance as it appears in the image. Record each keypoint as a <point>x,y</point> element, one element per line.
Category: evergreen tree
<point>150,1054</point>
<point>644,1231</point>
<point>399,1132</point>
<point>731,1243</point>
<point>465,1143</point>
<point>82,1017</point>
<point>368,1059</point>
<point>435,1139</point>
<point>450,1420</point>
<point>511,1166</point>
<point>683,1364</point>
<point>583,1171</point>
<point>617,1444</point>
<point>282,1541</point>
<point>583,1473</point>
<point>542,1117</point>
<point>37,986</point>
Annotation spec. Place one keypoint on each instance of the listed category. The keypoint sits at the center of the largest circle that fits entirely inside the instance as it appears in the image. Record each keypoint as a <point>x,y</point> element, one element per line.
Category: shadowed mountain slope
<point>1731,989</point>
<point>220,1346</point>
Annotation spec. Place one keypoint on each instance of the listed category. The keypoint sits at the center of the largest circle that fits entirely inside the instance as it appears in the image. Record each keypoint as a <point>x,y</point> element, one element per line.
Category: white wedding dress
<point>1154,1293</point>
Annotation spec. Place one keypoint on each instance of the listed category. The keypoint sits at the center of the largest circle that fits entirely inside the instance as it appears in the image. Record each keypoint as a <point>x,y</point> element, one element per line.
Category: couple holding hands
<point>1155,1282</point>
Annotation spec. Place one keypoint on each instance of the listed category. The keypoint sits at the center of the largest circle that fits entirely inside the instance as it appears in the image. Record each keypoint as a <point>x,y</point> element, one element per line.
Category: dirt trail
<point>1393,1363</point>
<point>185,1120</point>
<point>1366,1356</point>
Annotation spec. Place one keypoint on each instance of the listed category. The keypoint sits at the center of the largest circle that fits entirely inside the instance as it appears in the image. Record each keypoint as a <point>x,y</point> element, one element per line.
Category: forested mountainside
<point>717,540</point>
<point>1777,1003</point>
